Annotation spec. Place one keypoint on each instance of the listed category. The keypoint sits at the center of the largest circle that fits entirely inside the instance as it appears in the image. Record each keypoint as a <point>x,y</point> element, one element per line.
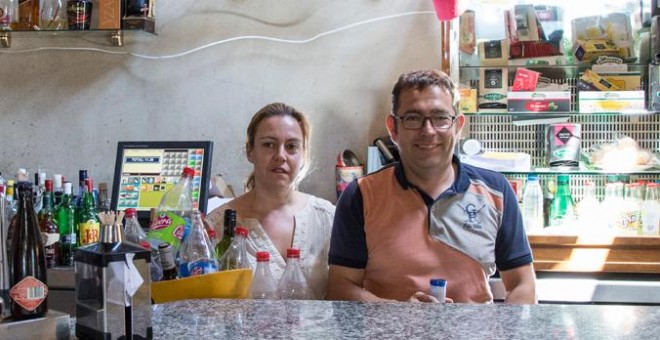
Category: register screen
<point>146,174</point>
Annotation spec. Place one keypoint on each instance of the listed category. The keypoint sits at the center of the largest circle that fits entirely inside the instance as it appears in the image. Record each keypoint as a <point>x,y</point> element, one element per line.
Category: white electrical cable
<point>219,42</point>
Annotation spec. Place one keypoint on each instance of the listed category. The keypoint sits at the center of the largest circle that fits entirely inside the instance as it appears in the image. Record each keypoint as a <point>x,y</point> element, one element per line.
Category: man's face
<point>428,149</point>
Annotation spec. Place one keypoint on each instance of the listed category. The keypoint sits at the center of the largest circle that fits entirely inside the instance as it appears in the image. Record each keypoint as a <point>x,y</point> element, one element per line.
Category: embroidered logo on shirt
<point>471,212</point>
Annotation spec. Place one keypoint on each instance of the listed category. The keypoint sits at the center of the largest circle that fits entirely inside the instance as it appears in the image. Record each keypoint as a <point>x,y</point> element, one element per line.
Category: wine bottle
<point>67,226</point>
<point>48,226</point>
<point>28,261</point>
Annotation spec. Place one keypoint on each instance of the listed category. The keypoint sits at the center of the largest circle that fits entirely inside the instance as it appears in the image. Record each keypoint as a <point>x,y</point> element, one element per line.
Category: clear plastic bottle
<point>651,211</point>
<point>172,218</point>
<point>631,210</point>
<point>263,283</point>
<point>562,209</point>
<point>9,16</point>
<point>196,255</point>
<point>236,255</point>
<point>438,289</point>
<point>133,230</point>
<point>293,284</point>
<point>590,215</point>
<point>533,204</point>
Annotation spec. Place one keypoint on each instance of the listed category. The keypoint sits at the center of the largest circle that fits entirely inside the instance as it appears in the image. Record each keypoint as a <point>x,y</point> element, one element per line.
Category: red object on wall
<point>446,9</point>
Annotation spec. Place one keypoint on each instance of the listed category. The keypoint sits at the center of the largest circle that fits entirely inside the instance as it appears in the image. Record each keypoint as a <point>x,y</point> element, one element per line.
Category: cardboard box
<point>559,101</point>
<point>493,85</point>
<point>468,101</point>
<point>628,81</point>
<point>611,101</point>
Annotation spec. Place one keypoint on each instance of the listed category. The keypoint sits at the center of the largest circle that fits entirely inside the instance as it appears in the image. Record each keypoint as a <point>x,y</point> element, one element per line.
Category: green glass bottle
<point>87,220</point>
<point>66,222</point>
<point>48,226</point>
<point>227,234</point>
<point>562,208</point>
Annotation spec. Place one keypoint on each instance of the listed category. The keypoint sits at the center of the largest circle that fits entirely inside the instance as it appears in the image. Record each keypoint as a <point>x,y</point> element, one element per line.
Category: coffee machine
<point>113,288</point>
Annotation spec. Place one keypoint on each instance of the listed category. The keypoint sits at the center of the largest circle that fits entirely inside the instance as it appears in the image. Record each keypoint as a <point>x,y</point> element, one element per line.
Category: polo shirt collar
<point>460,185</point>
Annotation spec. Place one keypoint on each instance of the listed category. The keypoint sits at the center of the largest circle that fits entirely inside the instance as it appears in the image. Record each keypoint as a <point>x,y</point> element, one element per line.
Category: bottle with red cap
<point>49,230</point>
<point>133,230</point>
<point>197,255</point>
<point>236,255</point>
<point>293,283</point>
<point>263,283</point>
<point>172,219</point>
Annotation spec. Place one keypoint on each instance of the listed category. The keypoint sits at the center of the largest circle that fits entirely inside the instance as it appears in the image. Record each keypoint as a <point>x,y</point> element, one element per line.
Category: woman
<point>277,215</point>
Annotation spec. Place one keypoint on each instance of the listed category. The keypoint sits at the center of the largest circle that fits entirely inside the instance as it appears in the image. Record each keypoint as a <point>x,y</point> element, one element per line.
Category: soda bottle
<point>166,254</point>
<point>293,284</point>
<point>651,211</point>
<point>66,223</point>
<point>562,211</point>
<point>172,217</point>
<point>28,262</point>
<point>228,232</point>
<point>87,220</point>
<point>49,229</point>
<point>263,283</point>
<point>533,204</point>
<point>196,255</point>
<point>236,255</point>
<point>133,230</point>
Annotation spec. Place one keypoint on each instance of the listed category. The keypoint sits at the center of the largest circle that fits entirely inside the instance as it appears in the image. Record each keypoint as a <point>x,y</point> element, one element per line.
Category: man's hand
<point>424,297</point>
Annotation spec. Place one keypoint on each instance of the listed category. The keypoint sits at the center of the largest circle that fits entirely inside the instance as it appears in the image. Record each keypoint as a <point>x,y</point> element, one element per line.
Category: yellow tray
<point>230,284</point>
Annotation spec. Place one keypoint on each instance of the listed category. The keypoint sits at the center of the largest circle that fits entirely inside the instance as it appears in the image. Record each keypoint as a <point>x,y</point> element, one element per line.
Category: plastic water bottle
<point>651,211</point>
<point>263,283</point>
<point>438,289</point>
<point>293,284</point>
<point>533,204</point>
<point>172,220</point>
<point>196,254</point>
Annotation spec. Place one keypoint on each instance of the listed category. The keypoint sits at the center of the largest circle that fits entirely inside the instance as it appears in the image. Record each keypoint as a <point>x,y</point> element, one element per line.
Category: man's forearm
<point>349,291</point>
<point>522,294</point>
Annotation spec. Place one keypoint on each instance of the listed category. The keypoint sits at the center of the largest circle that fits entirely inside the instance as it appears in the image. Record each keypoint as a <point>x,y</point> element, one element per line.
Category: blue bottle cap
<point>438,282</point>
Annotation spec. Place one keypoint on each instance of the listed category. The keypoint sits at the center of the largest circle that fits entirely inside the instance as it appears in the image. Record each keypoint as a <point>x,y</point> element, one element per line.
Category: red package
<point>525,80</point>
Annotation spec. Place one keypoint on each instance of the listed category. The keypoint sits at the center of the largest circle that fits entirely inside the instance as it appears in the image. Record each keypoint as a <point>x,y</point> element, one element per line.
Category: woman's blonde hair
<point>281,110</point>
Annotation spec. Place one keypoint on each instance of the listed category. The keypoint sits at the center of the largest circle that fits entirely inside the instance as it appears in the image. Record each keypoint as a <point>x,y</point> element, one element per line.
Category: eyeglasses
<point>414,121</point>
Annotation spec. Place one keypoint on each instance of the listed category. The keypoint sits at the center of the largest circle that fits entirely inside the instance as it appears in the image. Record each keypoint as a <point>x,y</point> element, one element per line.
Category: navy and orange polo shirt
<point>402,237</point>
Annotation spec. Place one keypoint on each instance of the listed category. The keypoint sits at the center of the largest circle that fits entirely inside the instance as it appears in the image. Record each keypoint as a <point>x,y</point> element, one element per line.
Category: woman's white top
<point>313,226</point>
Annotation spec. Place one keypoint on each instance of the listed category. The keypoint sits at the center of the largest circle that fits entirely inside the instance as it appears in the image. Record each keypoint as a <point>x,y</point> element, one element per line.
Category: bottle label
<point>89,231</point>
<point>69,238</point>
<point>202,267</point>
<point>168,227</point>
<point>29,293</point>
<point>50,238</point>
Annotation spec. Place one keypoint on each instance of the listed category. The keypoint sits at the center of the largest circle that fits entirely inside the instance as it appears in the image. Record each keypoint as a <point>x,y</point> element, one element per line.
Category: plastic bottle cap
<point>532,177</point>
<point>438,282</point>
<point>651,185</point>
<point>188,171</point>
<point>130,212</point>
<point>241,231</point>
<point>49,185</point>
<point>293,252</point>
<point>263,256</point>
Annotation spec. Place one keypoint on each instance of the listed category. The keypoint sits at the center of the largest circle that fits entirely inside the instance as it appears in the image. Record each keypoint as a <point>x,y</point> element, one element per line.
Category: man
<point>428,216</point>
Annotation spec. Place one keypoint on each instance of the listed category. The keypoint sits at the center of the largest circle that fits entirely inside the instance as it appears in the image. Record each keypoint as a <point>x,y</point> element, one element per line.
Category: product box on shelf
<point>611,101</point>
<point>468,101</point>
<point>556,101</point>
<point>109,14</point>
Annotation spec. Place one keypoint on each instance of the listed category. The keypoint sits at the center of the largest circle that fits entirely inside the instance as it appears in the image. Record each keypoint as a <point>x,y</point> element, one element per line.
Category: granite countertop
<point>236,319</point>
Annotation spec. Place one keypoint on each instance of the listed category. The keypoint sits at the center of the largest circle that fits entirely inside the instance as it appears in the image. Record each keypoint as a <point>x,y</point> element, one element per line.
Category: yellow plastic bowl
<point>229,284</point>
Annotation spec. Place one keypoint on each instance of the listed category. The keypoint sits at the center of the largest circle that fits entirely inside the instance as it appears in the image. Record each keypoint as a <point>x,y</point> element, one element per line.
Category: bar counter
<point>246,319</point>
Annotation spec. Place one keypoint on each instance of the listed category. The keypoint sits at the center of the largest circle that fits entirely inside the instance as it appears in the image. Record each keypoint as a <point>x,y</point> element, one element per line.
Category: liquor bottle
<point>79,14</point>
<point>28,15</point>
<point>133,230</point>
<point>166,254</point>
<point>9,16</point>
<point>82,176</point>
<point>293,284</point>
<point>196,255</point>
<point>57,189</point>
<point>28,262</point>
<point>88,223</point>
<point>533,204</point>
<point>103,198</point>
<point>548,196</point>
<point>39,189</point>
<point>49,228</point>
<point>227,233</point>
<point>236,255</point>
<point>651,211</point>
<point>66,222</point>
<point>172,218</point>
<point>263,283</point>
<point>562,211</point>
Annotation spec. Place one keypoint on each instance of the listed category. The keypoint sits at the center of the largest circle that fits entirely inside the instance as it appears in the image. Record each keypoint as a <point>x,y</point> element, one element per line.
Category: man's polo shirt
<point>402,237</point>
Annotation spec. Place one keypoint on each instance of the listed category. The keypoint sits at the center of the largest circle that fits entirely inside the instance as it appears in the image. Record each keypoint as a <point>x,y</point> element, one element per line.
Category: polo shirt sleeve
<point>348,246</point>
<point>511,246</point>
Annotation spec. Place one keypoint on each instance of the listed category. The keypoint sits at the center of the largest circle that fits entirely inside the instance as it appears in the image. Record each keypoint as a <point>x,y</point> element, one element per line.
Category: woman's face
<point>277,153</point>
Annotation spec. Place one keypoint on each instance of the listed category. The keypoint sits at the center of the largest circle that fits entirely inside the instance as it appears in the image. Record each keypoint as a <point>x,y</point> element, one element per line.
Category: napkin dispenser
<point>113,288</point>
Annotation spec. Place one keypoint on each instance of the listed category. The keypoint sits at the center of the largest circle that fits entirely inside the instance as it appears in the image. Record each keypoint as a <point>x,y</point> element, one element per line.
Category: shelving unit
<point>526,132</point>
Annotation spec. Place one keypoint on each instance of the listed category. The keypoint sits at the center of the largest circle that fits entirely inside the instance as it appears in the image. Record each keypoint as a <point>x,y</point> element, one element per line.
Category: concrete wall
<point>66,110</point>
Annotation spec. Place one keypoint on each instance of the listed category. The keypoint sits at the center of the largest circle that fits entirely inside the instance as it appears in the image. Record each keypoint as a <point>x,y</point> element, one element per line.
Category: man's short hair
<point>422,79</point>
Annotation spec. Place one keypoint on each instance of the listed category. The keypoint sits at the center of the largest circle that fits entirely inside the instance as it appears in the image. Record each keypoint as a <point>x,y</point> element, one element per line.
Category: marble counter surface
<point>247,319</point>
